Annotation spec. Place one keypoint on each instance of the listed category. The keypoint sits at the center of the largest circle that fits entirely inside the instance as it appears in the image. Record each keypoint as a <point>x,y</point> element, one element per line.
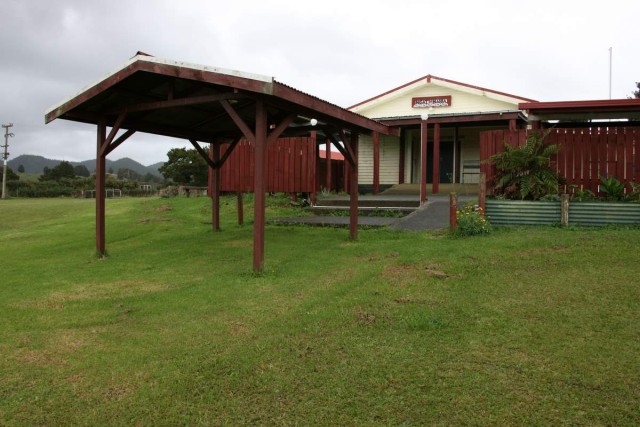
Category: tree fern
<point>525,172</point>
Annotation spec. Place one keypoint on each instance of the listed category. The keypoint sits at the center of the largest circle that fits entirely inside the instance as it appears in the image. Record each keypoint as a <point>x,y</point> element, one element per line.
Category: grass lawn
<point>526,326</point>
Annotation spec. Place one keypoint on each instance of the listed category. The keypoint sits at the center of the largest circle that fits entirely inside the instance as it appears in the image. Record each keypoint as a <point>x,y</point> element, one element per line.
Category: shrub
<point>613,188</point>
<point>471,222</point>
<point>635,193</point>
<point>525,172</point>
<point>581,195</point>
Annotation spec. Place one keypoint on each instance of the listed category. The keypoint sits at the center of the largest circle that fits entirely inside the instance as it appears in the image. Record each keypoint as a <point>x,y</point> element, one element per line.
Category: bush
<point>525,172</point>
<point>612,187</point>
<point>471,222</point>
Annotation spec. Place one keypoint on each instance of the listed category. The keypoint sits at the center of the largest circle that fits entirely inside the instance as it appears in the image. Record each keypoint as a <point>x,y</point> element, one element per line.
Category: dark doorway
<point>446,162</point>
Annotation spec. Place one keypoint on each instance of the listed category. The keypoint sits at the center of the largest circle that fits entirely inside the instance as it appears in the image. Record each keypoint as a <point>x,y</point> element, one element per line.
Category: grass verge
<point>524,326</point>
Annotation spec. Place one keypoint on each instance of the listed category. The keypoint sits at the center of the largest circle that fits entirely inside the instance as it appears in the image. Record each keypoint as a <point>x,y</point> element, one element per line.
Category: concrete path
<point>432,215</point>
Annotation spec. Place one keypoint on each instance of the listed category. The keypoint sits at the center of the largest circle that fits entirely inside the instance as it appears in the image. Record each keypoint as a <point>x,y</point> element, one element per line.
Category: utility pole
<point>5,156</point>
<point>610,69</point>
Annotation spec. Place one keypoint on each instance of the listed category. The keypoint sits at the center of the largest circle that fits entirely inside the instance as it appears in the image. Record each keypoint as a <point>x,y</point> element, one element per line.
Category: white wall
<point>389,159</point>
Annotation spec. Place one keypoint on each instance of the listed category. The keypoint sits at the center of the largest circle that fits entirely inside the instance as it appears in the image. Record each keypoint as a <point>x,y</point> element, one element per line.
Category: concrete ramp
<point>432,215</point>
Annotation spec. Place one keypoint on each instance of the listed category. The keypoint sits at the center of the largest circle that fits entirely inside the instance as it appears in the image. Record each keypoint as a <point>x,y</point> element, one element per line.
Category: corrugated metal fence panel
<point>585,213</point>
<point>512,212</point>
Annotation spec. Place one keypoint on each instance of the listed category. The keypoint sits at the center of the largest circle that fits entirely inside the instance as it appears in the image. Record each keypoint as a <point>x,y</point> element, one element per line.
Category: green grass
<point>526,326</point>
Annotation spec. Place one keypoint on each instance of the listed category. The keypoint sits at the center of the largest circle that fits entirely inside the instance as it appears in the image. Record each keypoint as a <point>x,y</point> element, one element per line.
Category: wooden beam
<point>112,133</point>
<point>353,156</point>
<point>214,152</point>
<point>376,162</point>
<point>353,190</point>
<point>435,181</point>
<point>495,117</point>
<point>331,113</point>
<point>100,188</point>
<point>401,165</point>
<point>177,102</point>
<point>206,156</point>
<point>228,151</point>
<point>238,120</point>
<point>327,163</point>
<point>122,138</point>
<point>259,186</point>
<point>339,146</point>
<point>240,207</point>
<point>282,126</point>
<point>423,161</point>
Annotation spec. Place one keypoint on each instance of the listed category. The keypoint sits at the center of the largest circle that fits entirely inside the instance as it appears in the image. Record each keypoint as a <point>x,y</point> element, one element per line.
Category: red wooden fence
<point>291,166</point>
<point>585,154</point>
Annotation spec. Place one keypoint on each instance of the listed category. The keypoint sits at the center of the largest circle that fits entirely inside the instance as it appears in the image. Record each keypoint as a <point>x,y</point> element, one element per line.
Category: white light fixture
<point>424,116</point>
<point>313,122</point>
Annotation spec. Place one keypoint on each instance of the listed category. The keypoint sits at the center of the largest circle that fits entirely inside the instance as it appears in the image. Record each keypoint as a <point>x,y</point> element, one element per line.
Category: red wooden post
<point>512,125</point>
<point>328,165</point>
<point>453,211</point>
<point>435,183</point>
<point>482,194</point>
<point>259,186</point>
<point>353,189</point>
<point>376,162</point>
<point>240,204</point>
<point>423,161</point>
<point>214,153</point>
<point>401,160</point>
<point>347,176</point>
<point>456,157</point>
<point>315,152</point>
<point>100,190</point>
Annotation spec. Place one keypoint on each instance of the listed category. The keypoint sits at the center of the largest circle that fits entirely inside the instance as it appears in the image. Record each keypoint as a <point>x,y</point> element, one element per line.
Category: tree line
<point>183,167</point>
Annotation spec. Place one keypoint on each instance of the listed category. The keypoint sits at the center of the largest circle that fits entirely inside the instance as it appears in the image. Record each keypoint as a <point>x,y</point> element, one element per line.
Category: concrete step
<point>379,203</point>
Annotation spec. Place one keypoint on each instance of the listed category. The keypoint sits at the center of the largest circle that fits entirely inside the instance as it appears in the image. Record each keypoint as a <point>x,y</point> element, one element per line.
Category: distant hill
<point>36,165</point>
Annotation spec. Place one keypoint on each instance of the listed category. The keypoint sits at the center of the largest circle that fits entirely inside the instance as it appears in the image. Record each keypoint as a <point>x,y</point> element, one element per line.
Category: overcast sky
<point>341,51</point>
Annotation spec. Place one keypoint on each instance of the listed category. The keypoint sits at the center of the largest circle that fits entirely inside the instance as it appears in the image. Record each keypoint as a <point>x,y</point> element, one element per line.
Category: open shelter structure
<point>213,106</point>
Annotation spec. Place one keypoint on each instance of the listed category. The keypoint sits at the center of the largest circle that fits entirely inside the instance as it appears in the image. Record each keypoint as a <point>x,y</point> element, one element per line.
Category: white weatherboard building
<point>450,114</point>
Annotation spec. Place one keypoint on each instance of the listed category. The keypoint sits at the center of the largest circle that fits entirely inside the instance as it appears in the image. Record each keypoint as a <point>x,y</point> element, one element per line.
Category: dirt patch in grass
<point>245,244</point>
<point>147,220</point>
<point>365,318</point>
<point>57,300</point>
<point>39,358</point>
<point>543,251</point>
<point>116,392</point>
<point>57,349</point>
<point>401,275</point>
<point>238,328</point>
<point>379,256</point>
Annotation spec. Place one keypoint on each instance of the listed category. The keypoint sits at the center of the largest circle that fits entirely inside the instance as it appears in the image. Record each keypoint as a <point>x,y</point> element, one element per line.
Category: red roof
<point>595,106</point>
<point>334,155</point>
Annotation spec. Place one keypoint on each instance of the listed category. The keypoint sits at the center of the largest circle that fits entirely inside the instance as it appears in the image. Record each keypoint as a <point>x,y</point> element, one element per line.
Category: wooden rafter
<point>178,102</point>
<point>122,138</point>
<point>281,127</point>
<point>246,130</point>
<point>340,147</point>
